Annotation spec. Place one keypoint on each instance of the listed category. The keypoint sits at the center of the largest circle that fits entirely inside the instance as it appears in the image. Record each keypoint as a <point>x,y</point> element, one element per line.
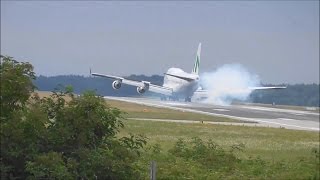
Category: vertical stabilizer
<point>195,69</point>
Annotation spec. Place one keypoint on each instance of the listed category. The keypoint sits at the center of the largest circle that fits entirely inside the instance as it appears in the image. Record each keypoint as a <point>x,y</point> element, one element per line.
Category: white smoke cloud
<point>229,82</point>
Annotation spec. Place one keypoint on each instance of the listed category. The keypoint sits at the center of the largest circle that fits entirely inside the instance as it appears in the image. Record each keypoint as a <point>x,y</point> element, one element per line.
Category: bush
<point>208,154</point>
<point>62,136</point>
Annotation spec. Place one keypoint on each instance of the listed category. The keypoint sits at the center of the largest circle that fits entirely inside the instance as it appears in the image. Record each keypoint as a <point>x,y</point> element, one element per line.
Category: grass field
<point>271,143</point>
<point>286,154</point>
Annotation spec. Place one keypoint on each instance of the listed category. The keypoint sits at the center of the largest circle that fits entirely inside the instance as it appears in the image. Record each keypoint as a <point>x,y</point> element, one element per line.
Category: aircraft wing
<point>264,88</point>
<point>204,93</point>
<point>143,85</point>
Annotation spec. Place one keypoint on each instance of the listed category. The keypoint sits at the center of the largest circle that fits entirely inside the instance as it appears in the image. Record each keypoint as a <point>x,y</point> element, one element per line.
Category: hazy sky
<point>279,41</point>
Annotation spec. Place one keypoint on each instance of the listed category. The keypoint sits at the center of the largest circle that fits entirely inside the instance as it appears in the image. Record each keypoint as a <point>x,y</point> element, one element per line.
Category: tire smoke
<point>229,82</point>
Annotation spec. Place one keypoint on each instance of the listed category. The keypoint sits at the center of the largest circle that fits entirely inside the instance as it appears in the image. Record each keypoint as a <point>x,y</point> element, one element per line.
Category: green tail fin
<point>195,69</point>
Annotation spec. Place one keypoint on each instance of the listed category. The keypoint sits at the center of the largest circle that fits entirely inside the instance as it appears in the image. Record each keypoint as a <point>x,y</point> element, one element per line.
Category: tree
<point>16,84</point>
<point>62,136</point>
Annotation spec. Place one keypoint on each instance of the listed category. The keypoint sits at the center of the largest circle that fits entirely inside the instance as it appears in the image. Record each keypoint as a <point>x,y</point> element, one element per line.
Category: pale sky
<point>279,41</point>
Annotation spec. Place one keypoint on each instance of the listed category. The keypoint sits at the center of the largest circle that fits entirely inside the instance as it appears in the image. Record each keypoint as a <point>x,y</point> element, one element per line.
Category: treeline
<point>297,94</point>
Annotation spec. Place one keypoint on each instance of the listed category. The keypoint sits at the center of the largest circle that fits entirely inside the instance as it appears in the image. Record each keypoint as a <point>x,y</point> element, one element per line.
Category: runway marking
<point>176,104</point>
<point>214,114</point>
<point>287,119</point>
<point>221,109</point>
<point>220,123</point>
<point>282,124</point>
<point>296,112</point>
<point>197,121</point>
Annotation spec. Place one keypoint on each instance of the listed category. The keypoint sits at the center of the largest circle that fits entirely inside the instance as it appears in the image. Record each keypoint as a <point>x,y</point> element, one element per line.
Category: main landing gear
<point>174,98</point>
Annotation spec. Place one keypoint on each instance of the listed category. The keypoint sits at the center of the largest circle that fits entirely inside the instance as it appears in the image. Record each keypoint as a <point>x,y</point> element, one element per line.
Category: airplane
<point>176,84</point>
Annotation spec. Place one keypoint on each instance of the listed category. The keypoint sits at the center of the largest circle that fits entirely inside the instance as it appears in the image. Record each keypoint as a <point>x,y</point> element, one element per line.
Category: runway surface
<point>264,116</point>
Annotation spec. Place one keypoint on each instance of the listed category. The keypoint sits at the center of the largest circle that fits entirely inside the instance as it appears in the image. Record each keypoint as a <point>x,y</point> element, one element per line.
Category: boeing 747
<point>177,83</point>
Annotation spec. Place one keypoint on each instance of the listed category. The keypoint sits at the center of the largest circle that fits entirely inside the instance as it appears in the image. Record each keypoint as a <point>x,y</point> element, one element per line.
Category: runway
<point>264,116</point>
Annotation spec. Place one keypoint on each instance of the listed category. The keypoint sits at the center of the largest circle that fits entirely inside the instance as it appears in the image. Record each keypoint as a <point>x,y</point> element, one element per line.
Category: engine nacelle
<point>116,84</point>
<point>143,88</point>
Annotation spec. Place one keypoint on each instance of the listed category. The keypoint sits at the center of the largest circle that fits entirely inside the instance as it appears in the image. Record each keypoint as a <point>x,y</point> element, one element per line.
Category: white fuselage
<point>182,88</point>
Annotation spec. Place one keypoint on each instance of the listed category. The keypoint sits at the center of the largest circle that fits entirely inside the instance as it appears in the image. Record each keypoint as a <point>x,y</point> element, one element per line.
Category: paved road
<point>266,116</point>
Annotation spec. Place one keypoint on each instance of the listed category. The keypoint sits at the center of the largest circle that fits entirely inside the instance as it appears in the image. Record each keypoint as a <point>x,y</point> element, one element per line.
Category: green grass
<point>284,154</point>
<point>258,140</point>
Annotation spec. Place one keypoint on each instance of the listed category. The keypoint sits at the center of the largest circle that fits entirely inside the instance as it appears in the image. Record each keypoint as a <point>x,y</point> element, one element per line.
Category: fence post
<point>153,170</point>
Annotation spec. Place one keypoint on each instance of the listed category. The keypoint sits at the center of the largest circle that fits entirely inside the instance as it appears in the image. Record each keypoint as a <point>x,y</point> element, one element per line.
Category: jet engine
<point>116,84</point>
<point>144,88</point>
<point>141,90</point>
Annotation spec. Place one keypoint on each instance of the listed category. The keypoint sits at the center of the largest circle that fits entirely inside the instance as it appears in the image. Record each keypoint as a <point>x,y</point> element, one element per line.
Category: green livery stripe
<point>196,65</point>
